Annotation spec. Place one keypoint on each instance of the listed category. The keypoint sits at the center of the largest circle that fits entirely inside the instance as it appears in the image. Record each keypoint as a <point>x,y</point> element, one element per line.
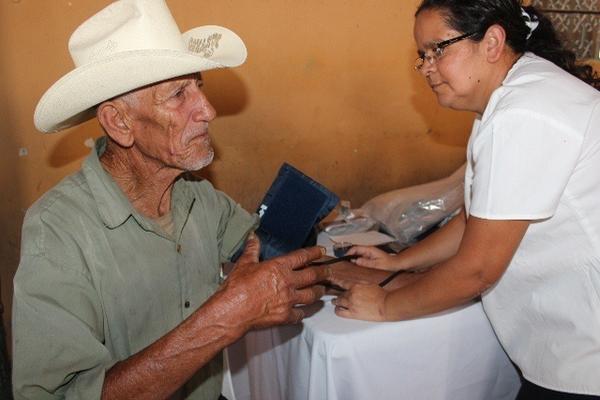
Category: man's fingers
<point>341,282</point>
<point>310,276</point>
<point>251,251</point>
<point>299,258</point>
<point>296,315</point>
<point>309,295</point>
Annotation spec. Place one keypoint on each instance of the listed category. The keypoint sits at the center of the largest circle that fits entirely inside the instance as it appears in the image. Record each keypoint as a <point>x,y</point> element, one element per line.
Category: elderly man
<point>118,292</point>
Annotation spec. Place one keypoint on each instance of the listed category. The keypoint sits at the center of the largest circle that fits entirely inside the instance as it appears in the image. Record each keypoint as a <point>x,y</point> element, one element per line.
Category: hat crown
<point>125,25</point>
<point>128,45</point>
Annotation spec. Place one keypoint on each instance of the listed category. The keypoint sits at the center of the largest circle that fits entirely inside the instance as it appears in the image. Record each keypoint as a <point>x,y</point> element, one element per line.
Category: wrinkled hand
<point>266,293</point>
<point>372,257</point>
<point>361,301</point>
<point>348,272</point>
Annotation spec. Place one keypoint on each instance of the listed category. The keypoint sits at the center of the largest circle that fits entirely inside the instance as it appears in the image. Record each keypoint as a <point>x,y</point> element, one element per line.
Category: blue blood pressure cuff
<point>290,211</point>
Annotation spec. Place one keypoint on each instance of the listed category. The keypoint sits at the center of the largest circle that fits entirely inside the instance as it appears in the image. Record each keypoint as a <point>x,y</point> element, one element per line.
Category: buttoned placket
<point>180,222</point>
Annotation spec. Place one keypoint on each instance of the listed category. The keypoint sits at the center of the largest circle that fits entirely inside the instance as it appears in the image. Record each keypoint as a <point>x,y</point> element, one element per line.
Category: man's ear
<point>112,117</point>
<point>494,43</point>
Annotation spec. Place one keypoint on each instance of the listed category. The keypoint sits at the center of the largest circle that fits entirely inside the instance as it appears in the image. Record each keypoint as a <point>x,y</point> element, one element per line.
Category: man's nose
<point>203,110</point>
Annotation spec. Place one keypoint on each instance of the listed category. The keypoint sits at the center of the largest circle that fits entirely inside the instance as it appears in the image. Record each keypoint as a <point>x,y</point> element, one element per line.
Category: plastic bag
<point>351,224</point>
<point>411,213</point>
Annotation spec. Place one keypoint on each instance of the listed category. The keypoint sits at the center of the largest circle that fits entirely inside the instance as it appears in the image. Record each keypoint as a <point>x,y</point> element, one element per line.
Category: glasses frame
<point>438,50</point>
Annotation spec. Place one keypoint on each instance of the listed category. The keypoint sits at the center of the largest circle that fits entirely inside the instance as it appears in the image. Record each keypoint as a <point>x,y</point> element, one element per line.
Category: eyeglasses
<point>438,51</point>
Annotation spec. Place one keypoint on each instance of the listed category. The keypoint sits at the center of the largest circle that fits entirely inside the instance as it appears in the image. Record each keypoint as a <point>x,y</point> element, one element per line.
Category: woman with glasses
<point>528,238</point>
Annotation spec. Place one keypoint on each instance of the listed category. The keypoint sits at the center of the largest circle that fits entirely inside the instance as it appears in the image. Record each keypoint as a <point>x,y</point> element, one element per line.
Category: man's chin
<point>201,163</point>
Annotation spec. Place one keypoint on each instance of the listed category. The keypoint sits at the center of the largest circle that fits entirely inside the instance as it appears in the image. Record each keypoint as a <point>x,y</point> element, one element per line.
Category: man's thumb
<point>251,251</point>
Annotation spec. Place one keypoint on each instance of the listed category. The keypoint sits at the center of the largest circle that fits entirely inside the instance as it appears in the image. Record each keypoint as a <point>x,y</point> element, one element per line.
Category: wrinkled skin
<point>156,133</point>
<point>264,294</point>
<point>255,295</point>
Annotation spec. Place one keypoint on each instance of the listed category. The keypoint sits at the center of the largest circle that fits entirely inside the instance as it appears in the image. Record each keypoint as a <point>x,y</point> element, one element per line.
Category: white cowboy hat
<point>128,45</point>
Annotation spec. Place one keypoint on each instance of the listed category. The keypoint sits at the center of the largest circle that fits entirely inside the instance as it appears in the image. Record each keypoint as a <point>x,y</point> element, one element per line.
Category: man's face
<point>171,123</point>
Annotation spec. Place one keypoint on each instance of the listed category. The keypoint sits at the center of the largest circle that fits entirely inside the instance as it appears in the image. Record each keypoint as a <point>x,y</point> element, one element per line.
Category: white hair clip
<point>532,23</point>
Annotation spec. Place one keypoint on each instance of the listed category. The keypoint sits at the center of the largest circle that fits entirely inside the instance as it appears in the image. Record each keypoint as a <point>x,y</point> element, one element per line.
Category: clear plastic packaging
<point>351,225</point>
<point>410,213</point>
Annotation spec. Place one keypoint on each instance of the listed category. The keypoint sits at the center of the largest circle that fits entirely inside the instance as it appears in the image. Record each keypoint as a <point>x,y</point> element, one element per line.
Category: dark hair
<point>478,15</point>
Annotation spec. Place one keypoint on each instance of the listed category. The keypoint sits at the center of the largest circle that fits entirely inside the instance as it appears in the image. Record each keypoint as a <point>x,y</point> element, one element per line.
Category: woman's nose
<point>429,65</point>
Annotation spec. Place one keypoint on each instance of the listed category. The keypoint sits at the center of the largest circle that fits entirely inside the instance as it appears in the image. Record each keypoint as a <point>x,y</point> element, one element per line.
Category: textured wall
<point>328,86</point>
<point>577,23</point>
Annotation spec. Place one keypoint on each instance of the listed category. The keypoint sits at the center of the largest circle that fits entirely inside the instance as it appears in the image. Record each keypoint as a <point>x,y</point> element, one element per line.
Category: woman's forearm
<point>484,254</point>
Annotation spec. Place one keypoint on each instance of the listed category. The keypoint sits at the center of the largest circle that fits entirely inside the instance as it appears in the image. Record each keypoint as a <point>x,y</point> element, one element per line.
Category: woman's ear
<point>494,43</point>
<point>113,118</point>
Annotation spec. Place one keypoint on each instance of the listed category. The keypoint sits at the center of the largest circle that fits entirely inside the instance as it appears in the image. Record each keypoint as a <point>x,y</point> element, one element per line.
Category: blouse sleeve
<point>522,162</point>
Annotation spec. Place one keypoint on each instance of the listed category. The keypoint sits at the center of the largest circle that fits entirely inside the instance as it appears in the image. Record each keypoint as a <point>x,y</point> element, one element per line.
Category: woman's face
<point>456,76</point>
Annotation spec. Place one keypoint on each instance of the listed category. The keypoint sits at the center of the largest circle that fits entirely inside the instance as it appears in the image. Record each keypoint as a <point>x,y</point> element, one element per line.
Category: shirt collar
<point>113,205</point>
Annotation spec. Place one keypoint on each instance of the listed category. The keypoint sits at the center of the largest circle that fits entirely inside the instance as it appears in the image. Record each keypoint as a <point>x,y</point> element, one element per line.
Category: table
<point>450,355</point>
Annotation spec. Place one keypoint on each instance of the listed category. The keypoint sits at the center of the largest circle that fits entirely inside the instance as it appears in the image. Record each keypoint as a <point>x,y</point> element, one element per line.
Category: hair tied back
<point>531,22</point>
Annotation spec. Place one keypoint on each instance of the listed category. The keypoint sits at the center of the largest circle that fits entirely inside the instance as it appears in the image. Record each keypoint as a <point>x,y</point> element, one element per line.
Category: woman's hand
<point>372,257</point>
<point>361,301</point>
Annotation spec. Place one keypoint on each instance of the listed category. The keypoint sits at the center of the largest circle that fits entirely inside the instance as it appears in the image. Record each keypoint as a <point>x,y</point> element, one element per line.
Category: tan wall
<point>328,86</point>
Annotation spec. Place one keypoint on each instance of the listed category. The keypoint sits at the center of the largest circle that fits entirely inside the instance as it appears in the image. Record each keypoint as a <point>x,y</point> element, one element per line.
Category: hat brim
<point>72,99</point>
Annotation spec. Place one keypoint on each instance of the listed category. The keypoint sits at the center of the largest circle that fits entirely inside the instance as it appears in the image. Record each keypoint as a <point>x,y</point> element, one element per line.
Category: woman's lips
<point>437,88</point>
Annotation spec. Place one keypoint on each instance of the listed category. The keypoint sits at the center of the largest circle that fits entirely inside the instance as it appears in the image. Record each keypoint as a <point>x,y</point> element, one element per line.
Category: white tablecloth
<point>452,355</point>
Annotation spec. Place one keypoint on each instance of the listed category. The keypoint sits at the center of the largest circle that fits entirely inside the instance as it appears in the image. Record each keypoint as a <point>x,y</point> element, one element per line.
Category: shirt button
<point>179,248</point>
<point>186,304</point>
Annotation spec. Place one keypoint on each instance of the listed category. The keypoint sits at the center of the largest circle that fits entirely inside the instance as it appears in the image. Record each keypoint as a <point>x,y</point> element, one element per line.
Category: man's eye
<point>180,93</point>
<point>439,51</point>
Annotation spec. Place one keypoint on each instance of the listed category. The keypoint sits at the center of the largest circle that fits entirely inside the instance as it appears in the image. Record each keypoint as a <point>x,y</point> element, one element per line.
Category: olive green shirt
<point>98,282</point>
